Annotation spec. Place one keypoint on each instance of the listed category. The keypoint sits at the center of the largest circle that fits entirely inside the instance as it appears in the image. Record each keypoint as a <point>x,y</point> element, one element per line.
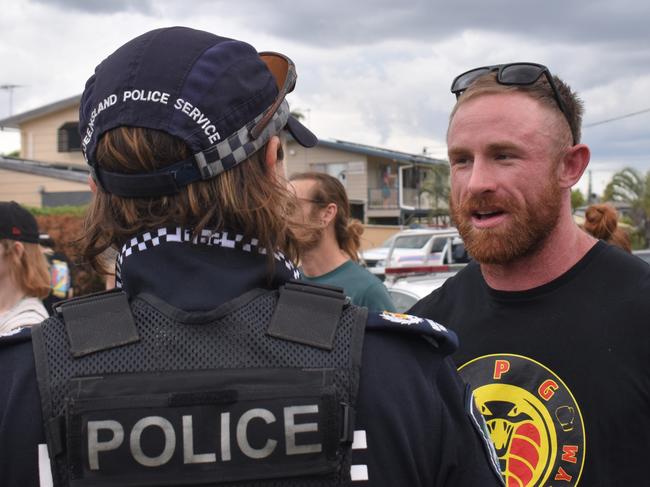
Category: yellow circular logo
<point>532,417</point>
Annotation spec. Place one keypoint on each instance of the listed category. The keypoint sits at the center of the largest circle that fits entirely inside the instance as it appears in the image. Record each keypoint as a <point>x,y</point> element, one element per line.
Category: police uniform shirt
<point>412,424</point>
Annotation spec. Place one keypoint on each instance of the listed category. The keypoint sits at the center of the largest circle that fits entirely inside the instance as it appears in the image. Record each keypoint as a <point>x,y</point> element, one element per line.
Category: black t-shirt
<point>561,372</point>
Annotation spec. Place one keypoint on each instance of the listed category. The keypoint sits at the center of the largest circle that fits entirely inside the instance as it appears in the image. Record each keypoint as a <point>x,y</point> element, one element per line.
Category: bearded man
<point>553,323</point>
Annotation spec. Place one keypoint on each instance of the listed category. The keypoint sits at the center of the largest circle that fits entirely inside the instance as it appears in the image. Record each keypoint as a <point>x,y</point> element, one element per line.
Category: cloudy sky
<point>375,72</point>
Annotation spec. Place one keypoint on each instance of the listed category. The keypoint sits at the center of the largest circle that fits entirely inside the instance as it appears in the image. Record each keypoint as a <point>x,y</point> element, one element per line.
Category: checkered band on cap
<point>240,146</point>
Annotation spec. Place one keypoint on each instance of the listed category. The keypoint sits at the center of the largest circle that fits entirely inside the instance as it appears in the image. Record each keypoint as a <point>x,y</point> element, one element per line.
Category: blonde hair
<point>28,270</point>
<point>601,221</point>
<point>246,198</point>
<point>328,190</point>
<point>540,91</point>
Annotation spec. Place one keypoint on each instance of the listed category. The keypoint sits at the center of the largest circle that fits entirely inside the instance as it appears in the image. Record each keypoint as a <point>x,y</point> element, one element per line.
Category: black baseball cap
<point>16,223</point>
<point>220,96</point>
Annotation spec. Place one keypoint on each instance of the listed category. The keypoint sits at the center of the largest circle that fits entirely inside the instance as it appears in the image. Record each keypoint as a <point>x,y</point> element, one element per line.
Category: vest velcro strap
<point>201,398</point>
<point>347,430</point>
<point>56,433</point>
<point>307,314</point>
<point>98,322</point>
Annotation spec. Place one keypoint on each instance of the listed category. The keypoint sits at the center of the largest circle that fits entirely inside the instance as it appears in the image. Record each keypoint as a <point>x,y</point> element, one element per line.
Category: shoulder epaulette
<point>442,338</point>
<point>98,321</point>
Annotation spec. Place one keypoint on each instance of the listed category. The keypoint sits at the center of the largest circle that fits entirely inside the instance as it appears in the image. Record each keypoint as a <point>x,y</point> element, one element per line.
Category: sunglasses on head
<point>284,72</point>
<point>518,74</point>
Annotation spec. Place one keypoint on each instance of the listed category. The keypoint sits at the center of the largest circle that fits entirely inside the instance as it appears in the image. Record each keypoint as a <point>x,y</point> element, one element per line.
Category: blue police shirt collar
<point>198,273</point>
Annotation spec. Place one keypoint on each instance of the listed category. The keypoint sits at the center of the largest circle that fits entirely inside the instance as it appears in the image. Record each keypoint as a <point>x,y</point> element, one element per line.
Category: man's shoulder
<point>620,261</point>
<point>357,270</point>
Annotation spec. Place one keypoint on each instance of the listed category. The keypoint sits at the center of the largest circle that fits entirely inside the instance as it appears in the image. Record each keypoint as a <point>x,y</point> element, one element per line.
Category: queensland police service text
<point>153,96</point>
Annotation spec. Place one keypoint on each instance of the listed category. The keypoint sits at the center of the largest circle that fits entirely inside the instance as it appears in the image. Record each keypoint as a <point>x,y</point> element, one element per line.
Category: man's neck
<point>323,258</point>
<point>10,294</point>
<point>564,247</point>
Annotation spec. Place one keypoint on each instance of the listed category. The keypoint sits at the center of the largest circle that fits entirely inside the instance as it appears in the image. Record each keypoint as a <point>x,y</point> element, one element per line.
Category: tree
<point>577,199</point>
<point>632,187</point>
<point>437,186</point>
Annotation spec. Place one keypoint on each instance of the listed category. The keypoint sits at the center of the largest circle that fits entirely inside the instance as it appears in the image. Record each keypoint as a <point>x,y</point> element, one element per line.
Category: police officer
<point>210,364</point>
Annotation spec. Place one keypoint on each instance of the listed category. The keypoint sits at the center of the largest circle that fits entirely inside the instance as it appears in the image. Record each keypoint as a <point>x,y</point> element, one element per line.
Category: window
<point>68,137</point>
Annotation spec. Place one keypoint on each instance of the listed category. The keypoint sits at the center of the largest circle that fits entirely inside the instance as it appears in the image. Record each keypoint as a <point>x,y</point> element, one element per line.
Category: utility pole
<point>10,88</point>
<point>589,190</point>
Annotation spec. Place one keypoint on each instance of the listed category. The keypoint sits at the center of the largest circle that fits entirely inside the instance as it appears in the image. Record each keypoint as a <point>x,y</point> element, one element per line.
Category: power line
<point>627,115</point>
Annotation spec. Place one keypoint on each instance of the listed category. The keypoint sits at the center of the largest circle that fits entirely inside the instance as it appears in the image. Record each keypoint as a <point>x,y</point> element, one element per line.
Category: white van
<point>420,249</point>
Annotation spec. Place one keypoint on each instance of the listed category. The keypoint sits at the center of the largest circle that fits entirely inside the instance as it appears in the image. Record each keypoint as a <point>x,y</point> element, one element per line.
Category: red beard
<point>523,234</point>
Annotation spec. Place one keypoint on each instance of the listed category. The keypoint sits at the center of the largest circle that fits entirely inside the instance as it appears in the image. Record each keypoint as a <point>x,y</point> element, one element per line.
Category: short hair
<point>243,199</point>
<point>601,221</point>
<point>540,91</point>
<point>29,271</point>
<point>329,189</point>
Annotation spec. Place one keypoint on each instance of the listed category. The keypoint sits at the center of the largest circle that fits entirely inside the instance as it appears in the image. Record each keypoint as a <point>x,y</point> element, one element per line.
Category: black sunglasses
<point>520,74</point>
<point>284,71</point>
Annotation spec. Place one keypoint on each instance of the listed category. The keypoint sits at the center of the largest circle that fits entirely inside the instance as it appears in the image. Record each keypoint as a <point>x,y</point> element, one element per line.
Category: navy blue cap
<point>207,90</point>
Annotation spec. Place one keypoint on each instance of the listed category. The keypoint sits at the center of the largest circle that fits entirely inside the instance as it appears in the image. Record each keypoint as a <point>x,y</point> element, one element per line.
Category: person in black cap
<point>24,278</point>
<point>210,364</point>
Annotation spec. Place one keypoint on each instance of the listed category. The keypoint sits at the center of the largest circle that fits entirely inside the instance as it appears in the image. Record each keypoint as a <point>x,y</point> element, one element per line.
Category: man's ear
<point>92,184</point>
<point>328,213</point>
<point>573,165</point>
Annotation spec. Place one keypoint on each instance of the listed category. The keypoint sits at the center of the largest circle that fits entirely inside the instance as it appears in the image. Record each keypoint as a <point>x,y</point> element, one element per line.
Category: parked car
<point>406,291</point>
<point>420,250</point>
<point>375,258</point>
<point>643,254</point>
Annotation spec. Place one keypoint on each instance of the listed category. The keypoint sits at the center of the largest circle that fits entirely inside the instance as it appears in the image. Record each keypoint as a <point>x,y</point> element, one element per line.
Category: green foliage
<point>577,199</point>
<point>58,210</point>
<point>633,187</point>
<point>437,185</point>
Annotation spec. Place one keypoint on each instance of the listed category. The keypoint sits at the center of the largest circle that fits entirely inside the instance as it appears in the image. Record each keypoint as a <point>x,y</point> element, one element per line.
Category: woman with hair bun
<point>601,221</point>
<point>331,256</point>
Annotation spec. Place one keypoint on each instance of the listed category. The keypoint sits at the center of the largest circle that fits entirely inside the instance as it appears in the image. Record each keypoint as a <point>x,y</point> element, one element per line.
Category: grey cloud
<point>346,22</point>
<point>102,6</point>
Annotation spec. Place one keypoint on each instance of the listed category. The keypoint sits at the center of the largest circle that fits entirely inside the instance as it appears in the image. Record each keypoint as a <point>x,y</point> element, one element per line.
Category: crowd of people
<point>242,343</point>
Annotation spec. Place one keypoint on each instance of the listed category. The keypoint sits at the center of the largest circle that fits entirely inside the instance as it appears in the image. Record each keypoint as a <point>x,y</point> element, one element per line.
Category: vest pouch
<point>204,427</point>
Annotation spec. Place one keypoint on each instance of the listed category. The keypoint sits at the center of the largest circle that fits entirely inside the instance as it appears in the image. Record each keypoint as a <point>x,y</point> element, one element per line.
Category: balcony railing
<point>388,198</point>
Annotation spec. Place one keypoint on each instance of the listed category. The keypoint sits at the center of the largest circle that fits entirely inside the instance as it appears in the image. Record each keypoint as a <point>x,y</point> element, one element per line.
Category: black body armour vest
<point>259,392</point>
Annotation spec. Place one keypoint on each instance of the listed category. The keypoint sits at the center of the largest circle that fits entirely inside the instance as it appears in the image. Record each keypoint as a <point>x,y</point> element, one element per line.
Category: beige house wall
<point>300,159</point>
<point>25,188</point>
<point>39,138</point>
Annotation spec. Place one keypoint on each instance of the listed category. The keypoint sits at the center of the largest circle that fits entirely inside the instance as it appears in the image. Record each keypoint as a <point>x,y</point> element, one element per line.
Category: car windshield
<point>411,241</point>
<point>438,244</point>
<point>387,243</point>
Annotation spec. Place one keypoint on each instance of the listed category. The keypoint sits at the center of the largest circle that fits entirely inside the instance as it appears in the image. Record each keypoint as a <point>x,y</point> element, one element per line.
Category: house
<point>384,186</point>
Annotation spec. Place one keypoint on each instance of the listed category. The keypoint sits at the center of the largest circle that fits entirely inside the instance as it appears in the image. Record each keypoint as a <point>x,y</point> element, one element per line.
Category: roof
<point>58,171</point>
<point>379,152</point>
<point>15,120</point>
